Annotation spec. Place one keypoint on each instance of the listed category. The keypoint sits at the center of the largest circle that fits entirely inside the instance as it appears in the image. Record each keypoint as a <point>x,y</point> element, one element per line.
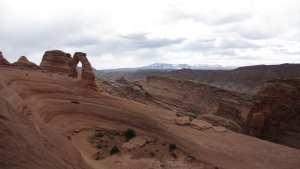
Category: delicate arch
<point>87,71</point>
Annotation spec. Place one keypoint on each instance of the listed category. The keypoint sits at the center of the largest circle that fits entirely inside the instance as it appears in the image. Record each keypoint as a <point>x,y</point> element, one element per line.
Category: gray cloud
<point>175,15</point>
<point>237,44</point>
<point>259,34</point>
<point>141,41</point>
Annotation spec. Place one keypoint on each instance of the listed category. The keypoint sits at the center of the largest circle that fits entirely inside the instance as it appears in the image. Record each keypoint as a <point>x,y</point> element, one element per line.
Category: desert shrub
<point>129,133</point>
<point>172,147</point>
<point>114,150</point>
<point>174,155</point>
<point>216,168</point>
<point>99,146</point>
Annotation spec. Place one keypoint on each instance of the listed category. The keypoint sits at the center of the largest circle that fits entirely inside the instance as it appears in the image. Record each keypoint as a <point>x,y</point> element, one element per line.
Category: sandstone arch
<point>87,71</point>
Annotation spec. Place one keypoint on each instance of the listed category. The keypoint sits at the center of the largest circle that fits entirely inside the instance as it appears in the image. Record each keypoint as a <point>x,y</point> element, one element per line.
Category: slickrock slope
<point>56,61</point>
<point>3,61</point>
<point>24,62</point>
<point>24,145</point>
<point>59,116</point>
<point>275,114</point>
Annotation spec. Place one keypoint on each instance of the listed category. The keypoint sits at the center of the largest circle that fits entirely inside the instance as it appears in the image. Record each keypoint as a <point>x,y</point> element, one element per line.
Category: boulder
<point>182,120</point>
<point>24,62</point>
<point>221,121</point>
<point>219,129</point>
<point>200,124</point>
<point>56,61</point>
<point>3,61</point>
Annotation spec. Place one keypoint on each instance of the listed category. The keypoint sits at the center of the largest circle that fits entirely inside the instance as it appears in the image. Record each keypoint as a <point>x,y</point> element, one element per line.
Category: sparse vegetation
<point>172,147</point>
<point>114,150</point>
<point>216,168</point>
<point>129,133</point>
<point>99,146</point>
<point>173,154</point>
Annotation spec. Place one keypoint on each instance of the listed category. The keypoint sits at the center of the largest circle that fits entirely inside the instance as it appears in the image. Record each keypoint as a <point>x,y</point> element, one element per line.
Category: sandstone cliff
<point>275,114</point>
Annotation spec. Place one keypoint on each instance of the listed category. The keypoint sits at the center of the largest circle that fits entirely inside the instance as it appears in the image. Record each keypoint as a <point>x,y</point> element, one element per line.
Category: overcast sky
<point>135,33</point>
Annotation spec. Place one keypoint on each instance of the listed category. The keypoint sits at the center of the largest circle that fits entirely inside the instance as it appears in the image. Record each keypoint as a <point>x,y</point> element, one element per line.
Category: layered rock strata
<point>56,61</point>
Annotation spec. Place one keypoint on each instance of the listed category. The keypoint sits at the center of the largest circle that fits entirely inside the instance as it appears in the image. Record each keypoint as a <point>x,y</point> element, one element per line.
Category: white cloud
<point>136,33</point>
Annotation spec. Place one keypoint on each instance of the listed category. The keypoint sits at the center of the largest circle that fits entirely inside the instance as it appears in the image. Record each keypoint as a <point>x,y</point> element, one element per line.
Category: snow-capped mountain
<point>186,66</point>
<point>174,66</point>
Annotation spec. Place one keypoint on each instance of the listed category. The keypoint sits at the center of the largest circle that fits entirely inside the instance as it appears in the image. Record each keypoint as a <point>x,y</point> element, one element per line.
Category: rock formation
<point>219,129</point>
<point>221,121</point>
<point>24,62</point>
<point>87,71</point>
<point>182,121</point>
<point>275,114</point>
<point>3,61</point>
<point>56,61</point>
<point>200,124</point>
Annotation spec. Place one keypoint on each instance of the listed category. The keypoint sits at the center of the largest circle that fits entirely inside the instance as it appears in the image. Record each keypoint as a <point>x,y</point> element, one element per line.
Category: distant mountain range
<point>166,66</point>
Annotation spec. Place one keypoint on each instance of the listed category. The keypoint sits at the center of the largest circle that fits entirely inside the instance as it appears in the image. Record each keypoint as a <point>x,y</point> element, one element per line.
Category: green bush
<point>172,147</point>
<point>114,150</point>
<point>129,133</point>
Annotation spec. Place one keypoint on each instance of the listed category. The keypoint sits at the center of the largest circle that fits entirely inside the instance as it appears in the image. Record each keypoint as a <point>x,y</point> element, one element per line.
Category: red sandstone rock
<point>182,121</point>
<point>24,62</point>
<point>200,124</point>
<point>221,121</point>
<point>275,114</point>
<point>3,61</point>
<point>219,129</point>
<point>87,71</point>
<point>56,61</point>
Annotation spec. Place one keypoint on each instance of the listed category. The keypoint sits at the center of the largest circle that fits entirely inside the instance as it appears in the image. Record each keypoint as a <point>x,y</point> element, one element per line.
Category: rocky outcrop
<point>56,61</point>
<point>200,124</point>
<point>3,61</point>
<point>24,62</point>
<point>275,115</point>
